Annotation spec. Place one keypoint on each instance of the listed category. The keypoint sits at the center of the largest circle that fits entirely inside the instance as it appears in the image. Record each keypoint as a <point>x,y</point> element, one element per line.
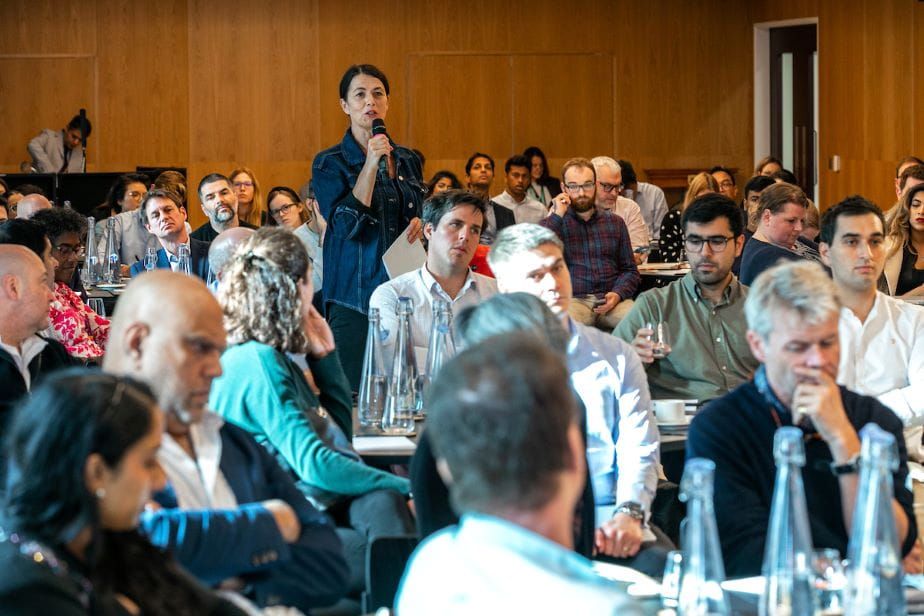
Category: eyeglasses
<point>586,187</point>
<point>134,194</point>
<point>282,210</point>
<point>607,187</point>
<point>67,249</point>
<point>716,242</point>
<point>725,185</point>
<point>243,184</point>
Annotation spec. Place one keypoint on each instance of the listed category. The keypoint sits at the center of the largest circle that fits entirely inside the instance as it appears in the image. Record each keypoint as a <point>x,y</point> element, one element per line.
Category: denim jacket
<point>357,236</point>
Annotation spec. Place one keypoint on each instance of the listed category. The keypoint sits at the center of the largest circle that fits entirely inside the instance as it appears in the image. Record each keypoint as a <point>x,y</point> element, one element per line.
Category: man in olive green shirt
<point>703,311</point>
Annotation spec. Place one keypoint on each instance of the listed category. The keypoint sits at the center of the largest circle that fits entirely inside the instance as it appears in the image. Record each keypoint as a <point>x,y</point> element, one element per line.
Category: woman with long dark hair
<point>904,268</point>
<point>370,191</point>
<point>543,186</point>
<point>81,466</point>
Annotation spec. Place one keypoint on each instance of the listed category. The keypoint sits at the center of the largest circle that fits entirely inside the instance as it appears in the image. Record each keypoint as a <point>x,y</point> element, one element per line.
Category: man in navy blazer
<point>230,513</point>
<point>165,217</point>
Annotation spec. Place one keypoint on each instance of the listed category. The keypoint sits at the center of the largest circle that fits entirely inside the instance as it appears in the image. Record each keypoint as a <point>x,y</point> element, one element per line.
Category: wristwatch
<point>847,468</point>
<point>631,509</point>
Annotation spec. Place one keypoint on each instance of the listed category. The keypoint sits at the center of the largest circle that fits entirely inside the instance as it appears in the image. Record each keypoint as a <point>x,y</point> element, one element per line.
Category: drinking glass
<point>830,581</point>
<point>661,338</point>
<point>98,306</point>
<point>150,259</point>
<point>670,581</point>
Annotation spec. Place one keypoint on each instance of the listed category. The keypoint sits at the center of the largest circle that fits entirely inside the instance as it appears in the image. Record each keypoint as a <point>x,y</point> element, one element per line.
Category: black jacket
<point>12,386</point>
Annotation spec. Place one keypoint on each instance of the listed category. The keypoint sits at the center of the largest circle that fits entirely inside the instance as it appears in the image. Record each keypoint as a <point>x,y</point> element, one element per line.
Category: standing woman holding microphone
<point>370,190</point>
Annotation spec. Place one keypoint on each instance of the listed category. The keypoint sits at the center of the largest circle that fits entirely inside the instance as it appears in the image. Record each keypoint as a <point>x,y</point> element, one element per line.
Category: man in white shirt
<point>882,338</point>
<point>650,199</point>
<point>507,398</point>
<point>608,199</point>
<point>229,511</point>
<point>622,437</point>
<point>518,178</point>
<point>452,225</point>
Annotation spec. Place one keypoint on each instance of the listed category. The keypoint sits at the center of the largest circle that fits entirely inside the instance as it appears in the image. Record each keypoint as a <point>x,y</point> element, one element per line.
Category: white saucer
<point>679,424</point>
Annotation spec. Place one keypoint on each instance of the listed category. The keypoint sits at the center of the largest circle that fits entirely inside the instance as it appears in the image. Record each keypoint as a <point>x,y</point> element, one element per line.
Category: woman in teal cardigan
<point>266,299</point>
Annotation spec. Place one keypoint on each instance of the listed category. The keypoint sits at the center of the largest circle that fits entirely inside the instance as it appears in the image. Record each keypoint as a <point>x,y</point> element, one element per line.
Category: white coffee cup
<point>669,411</point>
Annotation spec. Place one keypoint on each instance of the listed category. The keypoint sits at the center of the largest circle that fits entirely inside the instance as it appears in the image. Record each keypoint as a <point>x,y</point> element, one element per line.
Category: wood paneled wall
<point>210,84</point>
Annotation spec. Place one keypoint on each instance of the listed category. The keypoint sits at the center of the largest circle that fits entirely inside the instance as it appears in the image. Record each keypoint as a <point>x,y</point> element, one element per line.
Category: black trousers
<point>349,328</point>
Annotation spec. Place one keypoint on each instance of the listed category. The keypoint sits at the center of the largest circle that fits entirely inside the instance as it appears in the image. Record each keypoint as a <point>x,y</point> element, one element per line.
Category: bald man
<point>25,298</point>
<point>229,511</point>
<point>223,248</point>
<point>30,204</point>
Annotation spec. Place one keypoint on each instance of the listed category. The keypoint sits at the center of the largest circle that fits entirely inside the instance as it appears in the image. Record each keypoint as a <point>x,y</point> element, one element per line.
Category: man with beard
<point>598,251</point>
<point>220,206</point>
<point>609,185</point>
<point>480,171</point>
<point>452,226</point>
<point>166,220</point>
<point>704,311</point>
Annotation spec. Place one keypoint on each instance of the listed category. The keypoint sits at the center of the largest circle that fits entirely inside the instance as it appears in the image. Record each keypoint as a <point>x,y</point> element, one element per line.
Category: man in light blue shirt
<point>505,400</point>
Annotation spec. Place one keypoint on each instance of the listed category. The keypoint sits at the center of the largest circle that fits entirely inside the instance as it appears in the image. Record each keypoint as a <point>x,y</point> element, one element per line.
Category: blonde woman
<point>250,206</point>
<point>670,244</point>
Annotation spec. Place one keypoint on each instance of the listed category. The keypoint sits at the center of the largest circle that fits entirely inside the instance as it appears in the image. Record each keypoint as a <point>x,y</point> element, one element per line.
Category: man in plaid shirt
<point>597,250</point>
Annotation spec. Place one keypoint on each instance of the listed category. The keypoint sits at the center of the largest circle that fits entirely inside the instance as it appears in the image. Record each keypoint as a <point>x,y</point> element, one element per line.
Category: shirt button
<point>718,339</point>
<point>724,368</point>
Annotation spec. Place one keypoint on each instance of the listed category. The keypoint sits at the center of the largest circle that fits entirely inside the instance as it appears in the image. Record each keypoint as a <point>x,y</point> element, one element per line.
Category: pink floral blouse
<point>82,332</point>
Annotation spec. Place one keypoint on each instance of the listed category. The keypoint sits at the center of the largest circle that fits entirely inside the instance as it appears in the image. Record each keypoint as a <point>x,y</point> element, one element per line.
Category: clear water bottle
<point>787,564</point>
<point>90,273</point>
<point>442,347</point>
<point>113,271</point>
<point>373,386</point>
<point>184,265</point>
<point>401,402</point>
<point>702,571</point>
<point>874,576</point>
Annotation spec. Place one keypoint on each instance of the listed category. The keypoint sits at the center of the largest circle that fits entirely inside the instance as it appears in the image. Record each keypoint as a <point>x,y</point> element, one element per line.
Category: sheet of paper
<point>402,256</point>
<point>366,444</point>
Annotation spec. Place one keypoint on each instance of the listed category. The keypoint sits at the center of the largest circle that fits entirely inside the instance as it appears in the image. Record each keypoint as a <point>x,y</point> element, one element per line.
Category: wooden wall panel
<point>143,117</point>
<point>45,102</point>
<point>48,27</point>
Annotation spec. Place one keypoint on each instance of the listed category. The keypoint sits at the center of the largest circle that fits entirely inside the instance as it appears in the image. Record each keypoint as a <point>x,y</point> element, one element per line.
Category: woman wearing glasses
<point>304,220</point>
<point>370,191</point>
<point>250,206</point>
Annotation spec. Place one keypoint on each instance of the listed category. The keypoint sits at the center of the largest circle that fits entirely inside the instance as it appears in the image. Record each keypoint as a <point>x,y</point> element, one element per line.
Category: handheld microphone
<point>378,128</point>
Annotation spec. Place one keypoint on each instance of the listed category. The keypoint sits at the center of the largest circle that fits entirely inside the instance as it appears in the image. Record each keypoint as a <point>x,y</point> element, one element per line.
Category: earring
<point>100,493</point>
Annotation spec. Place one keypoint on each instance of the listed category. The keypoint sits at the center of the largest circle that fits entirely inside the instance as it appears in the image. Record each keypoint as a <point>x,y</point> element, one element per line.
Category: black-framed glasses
<point>607,187</point>
<point>716,242</point>
<point>285,208</point>
<point>573,188</point>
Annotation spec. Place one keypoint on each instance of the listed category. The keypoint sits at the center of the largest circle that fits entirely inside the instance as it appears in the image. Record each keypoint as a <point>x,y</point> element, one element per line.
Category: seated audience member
<point>251,208</point>
<point>785,175</point>
<point>792,312</point>
<point>219,203</point>
<point>768,165</point>
<point>4,210</point>
<point>904,267</point>
<point>903,165</point>
<point>780,216</point>
<point>131,238</point>
<point>175,182</point>
<point>752,190</point>
<point>608,199</point>
<point>597,250</point>
<point>501,314</point>
<point>26,357</point>
<point>305,221</point>
<point>81,466</point>
<point>479,170</point>
<point>222,250</point>
<point>165,219</point>
<point>74,324</point>
<point>704,309</point>
<point>30,204</point>
<point>670,243</point>
<point>17,193</point>
<point>507,399</point>
<point>650,199</point>
<point>452,227</point>
<point>542,187</point>
<point>60,151</point>
<point>515,198</point>
<point>442,181</point>
<point>911,176</point>
<point>882,338</point>
<point>811,225</point>
<point>725,180</point>
<point>229,510</point>
<point>622,438</point>
<point>266,299</point>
